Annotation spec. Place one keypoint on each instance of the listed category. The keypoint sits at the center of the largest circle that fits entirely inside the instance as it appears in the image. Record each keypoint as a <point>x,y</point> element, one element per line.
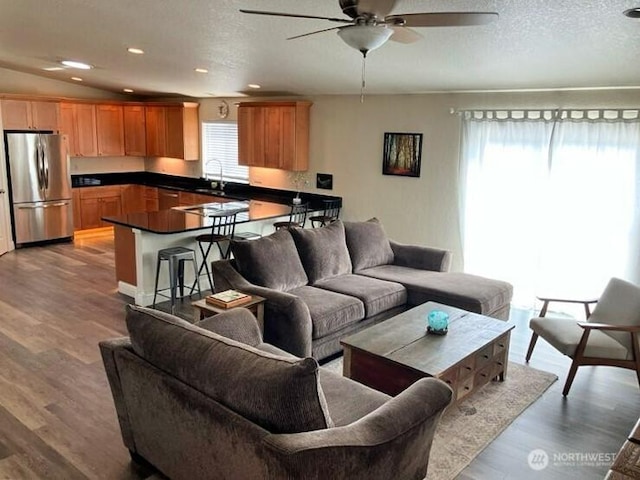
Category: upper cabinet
<point>173,131</point>
<point>30,115</point>
<point>78,122</point>
<point>274,135</point>
<point>135,142</point>
<point>110,130</point>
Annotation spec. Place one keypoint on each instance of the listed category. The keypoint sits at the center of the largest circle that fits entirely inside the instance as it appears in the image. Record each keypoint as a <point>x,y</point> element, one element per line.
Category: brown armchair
<point>608,337</point>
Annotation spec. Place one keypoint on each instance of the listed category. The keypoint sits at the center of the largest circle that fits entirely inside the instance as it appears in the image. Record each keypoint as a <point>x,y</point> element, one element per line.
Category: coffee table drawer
<point>465,387</point>
<point>501,344</point>
<point>484,356</point>
<point>467,367</point>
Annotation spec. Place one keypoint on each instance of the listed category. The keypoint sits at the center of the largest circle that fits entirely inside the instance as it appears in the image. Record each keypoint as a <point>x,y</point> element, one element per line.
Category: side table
<point>202,309</point>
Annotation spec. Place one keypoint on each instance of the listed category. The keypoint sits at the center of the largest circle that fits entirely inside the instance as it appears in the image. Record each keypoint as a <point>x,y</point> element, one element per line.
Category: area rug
<point>468,427</point>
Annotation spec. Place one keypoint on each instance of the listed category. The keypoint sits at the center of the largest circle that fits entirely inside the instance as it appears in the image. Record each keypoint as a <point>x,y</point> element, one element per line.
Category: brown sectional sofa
<point>325,283</point>
<point>213,400</point>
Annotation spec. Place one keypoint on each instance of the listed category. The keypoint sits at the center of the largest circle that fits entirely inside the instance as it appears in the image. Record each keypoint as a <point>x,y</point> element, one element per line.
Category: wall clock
<point>223,109</point>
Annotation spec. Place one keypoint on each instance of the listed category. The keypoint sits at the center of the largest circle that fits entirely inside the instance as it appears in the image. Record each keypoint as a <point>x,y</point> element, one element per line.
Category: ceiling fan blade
<point>405,35</point>
<point>295,15</point>
<point>442,19</point>
<point>356,8</point>
<point>313,33</point>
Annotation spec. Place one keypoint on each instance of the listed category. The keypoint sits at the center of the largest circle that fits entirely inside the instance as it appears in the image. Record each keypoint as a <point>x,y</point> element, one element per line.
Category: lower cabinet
<point>95,203</point>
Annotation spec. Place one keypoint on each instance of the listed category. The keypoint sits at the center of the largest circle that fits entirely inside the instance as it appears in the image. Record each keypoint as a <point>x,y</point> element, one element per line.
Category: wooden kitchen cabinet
<point>110,130</point>
<point>78,122</point>
<point>98,202</point>
<point>133,199</point>
<point>274,135</point>
<point>151,199</point>
<point>173,131</point>
<point>168,199</point>
<point>30,115</point>
<point>135,143</point>
<point>155,131</point>
<point>77,212</point>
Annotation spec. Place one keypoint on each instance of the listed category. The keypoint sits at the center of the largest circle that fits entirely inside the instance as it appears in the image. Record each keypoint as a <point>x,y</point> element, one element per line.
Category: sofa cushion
<point>281,394</point>
<point>348,401</point>
<point>469,292</point>
<point>368,244</point>
<point>377,295</point>
<point>323,251</point>
<point>329,311</point>
<point>271,261</point>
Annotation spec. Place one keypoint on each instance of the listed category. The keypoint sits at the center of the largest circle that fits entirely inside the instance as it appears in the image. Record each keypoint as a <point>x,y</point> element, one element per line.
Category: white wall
<point>347,138</point>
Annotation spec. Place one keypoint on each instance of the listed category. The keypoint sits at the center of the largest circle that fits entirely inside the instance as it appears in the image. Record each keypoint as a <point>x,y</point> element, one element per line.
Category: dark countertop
<point>180,219</point>
<point>236,191</point>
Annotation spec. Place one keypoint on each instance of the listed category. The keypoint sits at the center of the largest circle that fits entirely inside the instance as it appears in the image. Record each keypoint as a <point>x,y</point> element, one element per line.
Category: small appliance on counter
<point>38,169</point>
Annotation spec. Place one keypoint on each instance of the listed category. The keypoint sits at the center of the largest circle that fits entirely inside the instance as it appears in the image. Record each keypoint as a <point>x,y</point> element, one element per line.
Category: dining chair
<point>330,213</point>
<point>608,337</point>
<point>297,217</point>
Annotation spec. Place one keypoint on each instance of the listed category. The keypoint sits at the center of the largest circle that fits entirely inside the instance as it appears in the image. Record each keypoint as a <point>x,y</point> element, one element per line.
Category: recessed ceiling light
<point>76,79</point>
<point>128,90</point>
<point>137,51</point>
<point>53,69</point>
<point>201,70</point>
<point>74,64</point>
<point>632,12</point>
<point>254,85</point>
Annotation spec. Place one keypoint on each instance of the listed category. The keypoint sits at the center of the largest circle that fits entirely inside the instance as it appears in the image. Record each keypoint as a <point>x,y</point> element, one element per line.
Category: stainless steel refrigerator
<point>38,167</point>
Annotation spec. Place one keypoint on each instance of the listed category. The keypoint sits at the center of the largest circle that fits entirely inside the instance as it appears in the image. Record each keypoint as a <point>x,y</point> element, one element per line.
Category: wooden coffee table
<point>392,355</point>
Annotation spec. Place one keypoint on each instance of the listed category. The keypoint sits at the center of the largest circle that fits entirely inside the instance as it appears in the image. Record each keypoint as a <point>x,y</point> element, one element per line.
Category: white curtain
<point>549,200</point>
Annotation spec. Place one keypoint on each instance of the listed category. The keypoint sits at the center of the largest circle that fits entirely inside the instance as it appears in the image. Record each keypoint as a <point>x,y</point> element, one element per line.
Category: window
<point>551,204</point>
<point>220,144</point>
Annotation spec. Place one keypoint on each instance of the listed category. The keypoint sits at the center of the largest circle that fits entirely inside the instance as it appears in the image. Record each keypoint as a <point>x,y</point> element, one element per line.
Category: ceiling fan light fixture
<point>632,12</point>
<point>365,38</point>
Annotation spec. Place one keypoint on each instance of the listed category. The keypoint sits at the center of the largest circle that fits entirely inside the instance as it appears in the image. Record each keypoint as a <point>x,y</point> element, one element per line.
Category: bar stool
<point>330,213</point>
<point>297,217</point>
<point>176,256</point>
<point>223,227</point>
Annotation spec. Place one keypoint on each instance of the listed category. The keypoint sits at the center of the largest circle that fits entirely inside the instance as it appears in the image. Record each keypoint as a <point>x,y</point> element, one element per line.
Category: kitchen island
<point>139,236</point>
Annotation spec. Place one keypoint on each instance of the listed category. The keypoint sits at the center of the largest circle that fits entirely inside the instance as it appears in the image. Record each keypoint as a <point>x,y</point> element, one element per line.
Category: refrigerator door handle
<point>45,169</point>
<point>38,167</point>
<point>48,205</point>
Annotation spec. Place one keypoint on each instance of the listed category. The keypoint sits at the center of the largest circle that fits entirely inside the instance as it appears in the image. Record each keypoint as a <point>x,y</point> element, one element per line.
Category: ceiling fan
<point>370,24</point>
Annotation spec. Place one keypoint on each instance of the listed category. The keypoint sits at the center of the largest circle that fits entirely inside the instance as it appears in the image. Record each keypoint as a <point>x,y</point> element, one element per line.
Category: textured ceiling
<point>535,44</point>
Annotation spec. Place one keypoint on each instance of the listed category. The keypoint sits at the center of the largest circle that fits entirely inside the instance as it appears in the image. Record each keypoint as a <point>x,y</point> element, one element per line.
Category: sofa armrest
<point>238,324</point>
<point>424,258</point>
<point>287,321</point>
<point>393,441</point>
<point>108,349</point>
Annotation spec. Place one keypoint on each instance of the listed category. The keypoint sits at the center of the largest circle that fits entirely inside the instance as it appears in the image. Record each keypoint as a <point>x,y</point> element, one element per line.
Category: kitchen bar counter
<point>181,219</point>
<point>139,236</point>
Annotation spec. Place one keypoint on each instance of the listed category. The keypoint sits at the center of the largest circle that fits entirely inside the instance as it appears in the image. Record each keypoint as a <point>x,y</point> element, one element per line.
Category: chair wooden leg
<point>577,361</point>
<point>570,377</point>
<point>532,344</point>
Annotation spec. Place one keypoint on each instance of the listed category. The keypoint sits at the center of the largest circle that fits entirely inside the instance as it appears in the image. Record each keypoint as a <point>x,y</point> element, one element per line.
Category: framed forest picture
<point>402,154</point>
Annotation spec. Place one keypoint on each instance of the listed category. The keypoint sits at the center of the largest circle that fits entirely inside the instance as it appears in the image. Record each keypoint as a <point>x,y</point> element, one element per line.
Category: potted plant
<point>299,181</point>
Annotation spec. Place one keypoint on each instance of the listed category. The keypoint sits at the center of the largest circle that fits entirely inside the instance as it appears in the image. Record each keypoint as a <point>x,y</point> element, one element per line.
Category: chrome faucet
<point>220,185</point>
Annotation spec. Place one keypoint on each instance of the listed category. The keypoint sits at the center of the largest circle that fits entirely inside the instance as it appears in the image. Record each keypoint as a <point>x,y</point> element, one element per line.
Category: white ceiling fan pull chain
<point>363,84</point>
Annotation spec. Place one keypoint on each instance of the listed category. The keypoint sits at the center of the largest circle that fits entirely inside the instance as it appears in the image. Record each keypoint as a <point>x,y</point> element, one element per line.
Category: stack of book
<point>228,299</point>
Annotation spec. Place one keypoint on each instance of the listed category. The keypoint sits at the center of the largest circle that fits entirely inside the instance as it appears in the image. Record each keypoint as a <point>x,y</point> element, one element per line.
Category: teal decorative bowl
<point>438,322</point>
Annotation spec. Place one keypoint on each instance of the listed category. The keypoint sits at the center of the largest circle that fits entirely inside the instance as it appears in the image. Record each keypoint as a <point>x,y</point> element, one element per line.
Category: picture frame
<point>402,154</point>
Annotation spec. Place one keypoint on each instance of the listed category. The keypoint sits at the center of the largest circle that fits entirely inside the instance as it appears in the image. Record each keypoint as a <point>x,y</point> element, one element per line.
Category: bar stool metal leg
<point>155,290</point>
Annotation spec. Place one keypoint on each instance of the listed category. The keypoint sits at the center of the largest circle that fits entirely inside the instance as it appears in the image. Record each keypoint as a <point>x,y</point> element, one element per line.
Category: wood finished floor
<point>57,419</point>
